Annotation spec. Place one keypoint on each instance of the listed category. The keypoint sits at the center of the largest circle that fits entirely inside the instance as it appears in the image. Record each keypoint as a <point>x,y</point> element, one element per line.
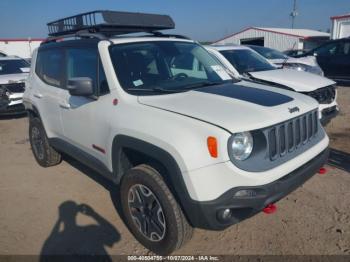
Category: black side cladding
<point>249,94</point>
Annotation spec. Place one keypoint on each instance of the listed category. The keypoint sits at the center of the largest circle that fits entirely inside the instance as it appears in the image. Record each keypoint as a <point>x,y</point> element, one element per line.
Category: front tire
<point>44,154</point>
<point>151,212</point>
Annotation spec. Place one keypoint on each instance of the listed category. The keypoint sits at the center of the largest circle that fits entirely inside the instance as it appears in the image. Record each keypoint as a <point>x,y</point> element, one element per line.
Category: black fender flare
<point>31,109</point>
<point>174,178</point>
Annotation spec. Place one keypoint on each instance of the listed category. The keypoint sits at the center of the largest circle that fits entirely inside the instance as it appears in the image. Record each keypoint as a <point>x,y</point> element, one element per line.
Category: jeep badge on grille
<point>293,109</point>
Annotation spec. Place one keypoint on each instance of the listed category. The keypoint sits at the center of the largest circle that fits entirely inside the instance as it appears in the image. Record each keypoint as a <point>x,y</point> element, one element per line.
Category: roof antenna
<point>294,13</point>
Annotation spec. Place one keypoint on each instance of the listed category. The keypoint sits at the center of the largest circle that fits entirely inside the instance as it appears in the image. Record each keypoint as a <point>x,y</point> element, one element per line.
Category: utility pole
<point>294,13</point>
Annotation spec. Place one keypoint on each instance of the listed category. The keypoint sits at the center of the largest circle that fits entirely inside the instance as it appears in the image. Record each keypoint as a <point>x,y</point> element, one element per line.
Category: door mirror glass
<point>80,86</point>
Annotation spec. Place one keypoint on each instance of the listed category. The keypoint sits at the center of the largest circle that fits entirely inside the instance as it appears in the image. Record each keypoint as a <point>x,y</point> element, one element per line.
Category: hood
<point>5,79</point>
<point>236,107</point>
<point>297,80</point>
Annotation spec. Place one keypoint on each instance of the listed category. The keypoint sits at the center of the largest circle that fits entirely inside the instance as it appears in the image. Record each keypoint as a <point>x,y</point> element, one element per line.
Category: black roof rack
<point>110,23</point>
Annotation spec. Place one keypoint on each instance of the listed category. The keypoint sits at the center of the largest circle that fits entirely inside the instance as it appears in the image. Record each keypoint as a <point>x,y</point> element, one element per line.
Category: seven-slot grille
<point>284,138</point>
<point>324,95</point>
<point>14,87</point>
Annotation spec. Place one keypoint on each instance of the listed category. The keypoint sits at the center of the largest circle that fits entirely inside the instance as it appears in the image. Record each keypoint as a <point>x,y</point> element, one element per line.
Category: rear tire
<point>44,154</point>
<point>151,212</point>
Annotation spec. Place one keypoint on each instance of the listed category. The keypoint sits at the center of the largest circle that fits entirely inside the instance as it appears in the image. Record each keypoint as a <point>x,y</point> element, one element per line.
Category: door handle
<point>37,95</point>
<point>64,105</point>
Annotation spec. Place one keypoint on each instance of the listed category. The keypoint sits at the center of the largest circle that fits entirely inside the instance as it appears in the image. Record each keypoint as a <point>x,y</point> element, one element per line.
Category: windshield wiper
<point>179,90</point>
<point>154,89</point>
<point>207,83</point>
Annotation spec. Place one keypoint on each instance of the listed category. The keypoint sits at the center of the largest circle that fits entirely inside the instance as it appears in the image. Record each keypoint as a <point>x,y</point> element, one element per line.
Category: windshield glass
<point>246,61</point>
<point>268,53</point>
<point>171,66</point>
<point>15,66</point>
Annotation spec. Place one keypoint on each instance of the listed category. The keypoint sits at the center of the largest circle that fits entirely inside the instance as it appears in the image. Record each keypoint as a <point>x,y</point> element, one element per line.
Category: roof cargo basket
<point>110,23</point>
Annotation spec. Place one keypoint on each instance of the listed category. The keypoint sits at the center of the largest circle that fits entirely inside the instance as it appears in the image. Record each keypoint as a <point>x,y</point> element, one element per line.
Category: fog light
<point>245,193</point>
<point>224,214</point>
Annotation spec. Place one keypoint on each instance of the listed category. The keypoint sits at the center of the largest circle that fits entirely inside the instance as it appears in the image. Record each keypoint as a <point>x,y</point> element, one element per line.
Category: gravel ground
<point>41,210</point>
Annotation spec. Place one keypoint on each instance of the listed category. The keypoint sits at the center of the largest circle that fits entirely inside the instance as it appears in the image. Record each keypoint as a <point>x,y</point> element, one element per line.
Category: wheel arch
<point>32,110</point>
<point>129,151</point>
<point>154,156</point>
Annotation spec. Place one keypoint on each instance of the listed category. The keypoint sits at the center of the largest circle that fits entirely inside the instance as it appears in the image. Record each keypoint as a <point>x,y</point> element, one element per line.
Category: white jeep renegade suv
<point>187,145</point>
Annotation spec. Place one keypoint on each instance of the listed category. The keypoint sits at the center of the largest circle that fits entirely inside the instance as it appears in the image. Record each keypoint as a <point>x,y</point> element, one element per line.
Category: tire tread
<point>52,157</point>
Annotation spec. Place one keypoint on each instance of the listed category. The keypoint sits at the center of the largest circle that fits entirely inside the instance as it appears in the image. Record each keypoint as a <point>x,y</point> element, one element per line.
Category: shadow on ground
<point>13,116</point>
<point>339,159</point>
<point>98,178</point>
<point>67,239</point>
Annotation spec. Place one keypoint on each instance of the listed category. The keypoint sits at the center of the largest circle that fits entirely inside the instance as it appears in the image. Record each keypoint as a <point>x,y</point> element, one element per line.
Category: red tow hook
<point>270,209</point>
<point>322,171</point>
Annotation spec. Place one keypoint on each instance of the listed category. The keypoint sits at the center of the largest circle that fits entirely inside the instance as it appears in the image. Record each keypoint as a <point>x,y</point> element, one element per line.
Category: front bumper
<point>328,114</point>
<point>206,214</point>
<point>12,104</point>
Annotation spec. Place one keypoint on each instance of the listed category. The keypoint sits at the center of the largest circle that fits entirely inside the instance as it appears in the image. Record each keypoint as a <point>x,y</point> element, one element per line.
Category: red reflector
<point>99,149</point>
<point>270,209</point>
<point>115,101</point>
<point>322,171</point>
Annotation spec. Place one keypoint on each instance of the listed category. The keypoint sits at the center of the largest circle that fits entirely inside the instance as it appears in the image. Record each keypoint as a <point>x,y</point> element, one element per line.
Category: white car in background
<point>13,72</point>
<point>243,62</point>
<point>308,64</point>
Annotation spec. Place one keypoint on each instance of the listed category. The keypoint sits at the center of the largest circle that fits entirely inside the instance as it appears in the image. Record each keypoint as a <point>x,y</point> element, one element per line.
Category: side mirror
<point>80,86</point>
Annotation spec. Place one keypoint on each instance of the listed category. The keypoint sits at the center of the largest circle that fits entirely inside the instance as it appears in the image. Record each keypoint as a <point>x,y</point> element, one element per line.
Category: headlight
<point>241,145</point>
<point>302,67</point>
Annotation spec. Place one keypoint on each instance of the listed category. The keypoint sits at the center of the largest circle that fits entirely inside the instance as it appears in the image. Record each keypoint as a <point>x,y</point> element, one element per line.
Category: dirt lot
<point>315,219</point>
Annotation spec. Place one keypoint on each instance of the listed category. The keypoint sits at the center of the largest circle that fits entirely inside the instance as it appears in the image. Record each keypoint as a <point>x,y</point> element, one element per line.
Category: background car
<point>334,59</point>
<point>245,63</point>
<point>307,63</point>
<point>295,52</point>
<point>13,72</point>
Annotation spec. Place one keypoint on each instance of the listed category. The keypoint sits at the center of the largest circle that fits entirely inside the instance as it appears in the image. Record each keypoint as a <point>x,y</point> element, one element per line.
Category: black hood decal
<point>249,94</point>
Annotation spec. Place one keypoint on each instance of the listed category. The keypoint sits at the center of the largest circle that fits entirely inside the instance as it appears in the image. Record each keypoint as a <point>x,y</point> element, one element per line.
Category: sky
<point>202,20</point>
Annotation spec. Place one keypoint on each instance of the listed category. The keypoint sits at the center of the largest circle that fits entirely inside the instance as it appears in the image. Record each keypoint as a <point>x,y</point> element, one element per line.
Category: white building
<point>278,38</point>
<point>19,47</point>
<point>340,26</point>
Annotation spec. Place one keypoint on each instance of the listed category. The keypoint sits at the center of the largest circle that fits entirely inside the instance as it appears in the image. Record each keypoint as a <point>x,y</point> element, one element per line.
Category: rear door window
<point>49,66</point>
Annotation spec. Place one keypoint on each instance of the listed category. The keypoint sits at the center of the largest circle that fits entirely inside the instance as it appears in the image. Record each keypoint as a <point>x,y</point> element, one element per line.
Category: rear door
<point>49,70</point>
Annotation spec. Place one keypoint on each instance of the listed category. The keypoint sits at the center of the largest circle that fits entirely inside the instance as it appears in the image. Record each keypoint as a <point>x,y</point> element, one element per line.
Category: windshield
<point>268,53</point>
<point>15,66</point>
<point>245,61</point>
<point>168,66</point>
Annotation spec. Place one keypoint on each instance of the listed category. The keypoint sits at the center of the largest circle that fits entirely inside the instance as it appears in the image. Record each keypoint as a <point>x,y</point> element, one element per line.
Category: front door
<point>76,111</point>
<point>326,56</point>
<point>341,61</point>
<point>82,117</point>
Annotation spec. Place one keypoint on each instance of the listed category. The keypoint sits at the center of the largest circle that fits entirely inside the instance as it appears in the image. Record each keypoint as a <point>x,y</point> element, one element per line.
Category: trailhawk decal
<point>249,94</point>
